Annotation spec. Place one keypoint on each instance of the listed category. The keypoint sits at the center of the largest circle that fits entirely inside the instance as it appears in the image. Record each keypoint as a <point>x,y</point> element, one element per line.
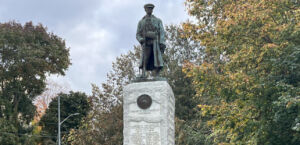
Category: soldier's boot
<point>157,70</point>
<point>144,72</point>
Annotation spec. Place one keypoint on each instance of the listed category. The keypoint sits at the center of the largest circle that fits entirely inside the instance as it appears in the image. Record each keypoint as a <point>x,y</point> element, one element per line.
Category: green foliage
<point>179,50</point>
<point>7,134</point>
<point>182,49</point>
<point>27,54</point>
<point>74,102</point>
<point>104,123</point>
<point>249,78</point>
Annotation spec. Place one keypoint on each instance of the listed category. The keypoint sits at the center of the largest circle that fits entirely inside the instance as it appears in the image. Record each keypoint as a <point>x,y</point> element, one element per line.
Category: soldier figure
<point>150,34</point>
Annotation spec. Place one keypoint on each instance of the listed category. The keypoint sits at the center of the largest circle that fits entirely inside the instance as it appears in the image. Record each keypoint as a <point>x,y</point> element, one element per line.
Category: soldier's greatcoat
<point>153,25</point>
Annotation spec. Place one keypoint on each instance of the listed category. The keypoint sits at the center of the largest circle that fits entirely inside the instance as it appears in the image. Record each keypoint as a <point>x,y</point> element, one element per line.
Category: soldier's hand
<point>142,41</point>
<point>162,47</point>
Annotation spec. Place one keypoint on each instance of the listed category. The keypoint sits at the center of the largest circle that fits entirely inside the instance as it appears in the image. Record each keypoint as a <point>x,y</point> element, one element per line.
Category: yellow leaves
<point>270,45</point>
<point>298,24</point>
<point>37,129</point>
<point>206,66</point>
<point>187,69</point>
<point>237,91</point>
<point>187,27</point>
<point>282,27</point>
<point>211,123</point>
<point>250,35</point>
<point>204,109</point>
<point>191,70</point>
<point>230,119</point>
<point>289,104</point>
<point>231,76</point>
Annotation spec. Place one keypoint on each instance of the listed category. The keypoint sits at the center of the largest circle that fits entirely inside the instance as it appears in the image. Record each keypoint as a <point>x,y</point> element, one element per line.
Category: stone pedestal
<point>149,109</point>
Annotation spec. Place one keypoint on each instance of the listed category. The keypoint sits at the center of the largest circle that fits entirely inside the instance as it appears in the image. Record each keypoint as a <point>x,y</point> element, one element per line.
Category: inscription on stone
<point>155,124</point>
<point>142,133</point>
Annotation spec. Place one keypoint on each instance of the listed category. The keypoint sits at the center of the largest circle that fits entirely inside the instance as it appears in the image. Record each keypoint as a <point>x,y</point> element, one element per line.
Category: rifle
<point>143,53</point>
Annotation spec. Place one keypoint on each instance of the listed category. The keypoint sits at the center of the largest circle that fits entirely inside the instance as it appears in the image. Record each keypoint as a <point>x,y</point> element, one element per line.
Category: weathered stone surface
<point>154,125</point>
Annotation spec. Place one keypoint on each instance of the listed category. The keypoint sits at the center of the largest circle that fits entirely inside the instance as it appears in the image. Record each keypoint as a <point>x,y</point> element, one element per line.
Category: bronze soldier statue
<point>150,34</point>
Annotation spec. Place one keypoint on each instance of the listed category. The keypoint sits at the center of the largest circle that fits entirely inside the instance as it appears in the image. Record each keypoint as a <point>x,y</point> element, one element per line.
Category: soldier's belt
<point>149,43</point>
<point>151,35</point>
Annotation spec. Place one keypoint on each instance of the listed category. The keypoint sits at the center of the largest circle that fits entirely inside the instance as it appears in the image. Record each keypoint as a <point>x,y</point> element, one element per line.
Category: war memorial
<point>149,104</point>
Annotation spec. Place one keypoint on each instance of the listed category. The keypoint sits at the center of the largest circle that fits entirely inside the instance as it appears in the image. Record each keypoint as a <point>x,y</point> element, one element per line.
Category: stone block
<point>149,109</point>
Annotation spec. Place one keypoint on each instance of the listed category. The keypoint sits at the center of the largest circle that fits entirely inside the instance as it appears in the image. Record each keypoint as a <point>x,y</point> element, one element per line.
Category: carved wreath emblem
<point>144,101</point>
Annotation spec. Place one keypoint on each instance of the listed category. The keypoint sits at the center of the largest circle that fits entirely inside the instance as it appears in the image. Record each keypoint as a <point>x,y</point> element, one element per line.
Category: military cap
<point>148,6</point>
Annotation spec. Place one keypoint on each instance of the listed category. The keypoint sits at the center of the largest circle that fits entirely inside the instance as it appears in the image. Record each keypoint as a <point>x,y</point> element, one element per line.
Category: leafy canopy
<point>74,102</point>
<point>28,53</point>
<point>250,74</point>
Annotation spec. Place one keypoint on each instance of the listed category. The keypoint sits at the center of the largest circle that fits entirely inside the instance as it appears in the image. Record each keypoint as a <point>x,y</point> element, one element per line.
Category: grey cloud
<point>97,31</point>
<point>48,11</point>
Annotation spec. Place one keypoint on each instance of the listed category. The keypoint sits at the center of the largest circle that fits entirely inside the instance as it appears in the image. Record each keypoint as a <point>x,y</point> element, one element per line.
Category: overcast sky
<point>97,31</point>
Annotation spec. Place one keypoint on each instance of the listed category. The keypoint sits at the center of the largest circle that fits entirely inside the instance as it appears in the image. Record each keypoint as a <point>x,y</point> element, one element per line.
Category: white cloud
<point>90,55</point>
<point>97,31</point>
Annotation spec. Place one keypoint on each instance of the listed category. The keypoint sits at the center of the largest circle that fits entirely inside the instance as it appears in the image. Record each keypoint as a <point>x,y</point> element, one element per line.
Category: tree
<point>104,123</point>
<point>74,102</point>
<point>27,54</point>
<point>249,79</point>
<point>180,50</point>
<point>42,101</point>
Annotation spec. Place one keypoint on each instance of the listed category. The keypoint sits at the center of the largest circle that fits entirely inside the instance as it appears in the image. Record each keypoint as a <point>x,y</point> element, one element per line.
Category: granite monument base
<point>149,109</point>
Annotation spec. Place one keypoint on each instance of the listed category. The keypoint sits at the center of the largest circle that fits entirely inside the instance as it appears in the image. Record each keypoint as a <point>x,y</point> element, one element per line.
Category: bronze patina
<point>144,101</point>
<point>151,35</point>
